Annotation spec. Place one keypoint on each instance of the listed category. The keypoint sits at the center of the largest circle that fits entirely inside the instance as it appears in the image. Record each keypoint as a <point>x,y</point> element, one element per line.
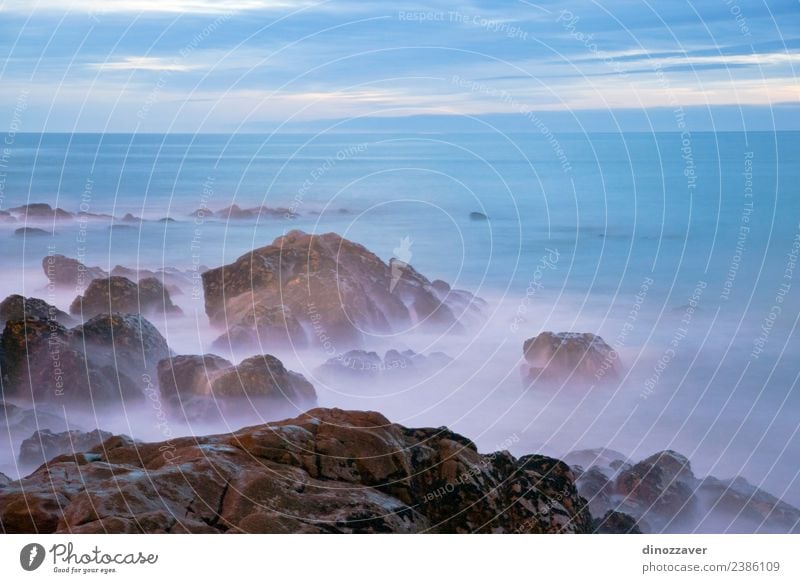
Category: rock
<point>476,216</point>
<point>235,212</point>
<point>44,445</point>
<point>39,211</point>
<point>263,376</point>
<point>326,471</point>
<point>128,341</point>
<point>130,218</point>
<point>16,307</point>
<point>568,356</point>
<point>108,359</point>
<point>262,327</point>
<point>173,279</point>
<point>335,288</point>
<point>7,217</point>
<point>662,494</point>
<point>167,220</point>
<point>31,232</point>
<point>205,387</point>
<point>16,421</point>
<point>614,522</point>
<point>356,364</point>
<point>120,294</point>
<point>66,272</point>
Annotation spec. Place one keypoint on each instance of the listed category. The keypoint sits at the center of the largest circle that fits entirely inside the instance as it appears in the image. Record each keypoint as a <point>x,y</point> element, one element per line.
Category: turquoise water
<point>688,239</point>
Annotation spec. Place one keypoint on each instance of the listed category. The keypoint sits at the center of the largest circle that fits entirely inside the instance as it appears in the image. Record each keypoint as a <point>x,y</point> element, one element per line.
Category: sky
<point>256,65</point>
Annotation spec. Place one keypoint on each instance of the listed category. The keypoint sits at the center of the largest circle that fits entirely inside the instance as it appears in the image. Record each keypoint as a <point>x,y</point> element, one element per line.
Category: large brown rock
<point>325,471</point>
<point>70,273</point>
<point>569,356</point>
<point>262,327</point>
<point>120,294</point>
<point>336,288</point>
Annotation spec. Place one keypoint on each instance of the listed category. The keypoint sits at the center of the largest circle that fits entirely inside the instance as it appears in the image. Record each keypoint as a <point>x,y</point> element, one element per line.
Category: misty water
<point>678,250</point>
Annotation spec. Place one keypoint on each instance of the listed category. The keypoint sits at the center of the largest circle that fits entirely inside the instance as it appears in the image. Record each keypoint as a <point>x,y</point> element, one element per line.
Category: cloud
<point>166,6</point>
<point>142,64</point>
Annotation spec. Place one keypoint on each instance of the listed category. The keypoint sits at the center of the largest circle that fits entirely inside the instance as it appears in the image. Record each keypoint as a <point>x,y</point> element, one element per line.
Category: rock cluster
<point>325,471</point>
<point>360,364</point>
<point>662,494</point>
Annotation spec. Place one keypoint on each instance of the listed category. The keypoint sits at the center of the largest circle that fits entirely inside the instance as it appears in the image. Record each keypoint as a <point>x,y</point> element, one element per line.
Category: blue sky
<point>247,65</point>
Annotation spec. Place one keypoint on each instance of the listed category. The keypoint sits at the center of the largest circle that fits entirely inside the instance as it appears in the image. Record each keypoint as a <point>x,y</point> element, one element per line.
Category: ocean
<point>679,250</point>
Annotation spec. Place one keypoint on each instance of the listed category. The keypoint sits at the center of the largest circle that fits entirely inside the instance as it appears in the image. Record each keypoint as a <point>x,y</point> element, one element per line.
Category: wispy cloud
<point>143,64</point>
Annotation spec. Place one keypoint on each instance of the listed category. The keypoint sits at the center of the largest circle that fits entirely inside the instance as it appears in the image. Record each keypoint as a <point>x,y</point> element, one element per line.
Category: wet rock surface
<point>569,357</point>
<point>69,273</point>
<point>338,290</point>
<point>325,471</point>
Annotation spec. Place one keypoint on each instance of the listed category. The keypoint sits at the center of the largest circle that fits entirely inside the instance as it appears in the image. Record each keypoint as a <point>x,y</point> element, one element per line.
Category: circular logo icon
<point>31,556</point>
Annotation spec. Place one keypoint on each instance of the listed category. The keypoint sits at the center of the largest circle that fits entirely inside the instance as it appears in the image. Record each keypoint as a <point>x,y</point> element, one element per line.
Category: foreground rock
<point>44,445</point>
<point>662,494</point>
<point>327,471</point>
<point>119,294</point>
<point>360,364</point>
<point>201,386</point>
<point>108,359</point>
<point>569,356</point>
<point>67,272</point>
<point>336,289</point>
<point>16,307</point>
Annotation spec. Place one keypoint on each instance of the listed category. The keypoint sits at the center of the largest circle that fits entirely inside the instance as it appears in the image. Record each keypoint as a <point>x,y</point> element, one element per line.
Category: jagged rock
<point>558,357</point>
<point>16,307</point>
<point>130,218</point>
<point>44,445</point>
<point>120,294</point>
<point>369,365</point>
<point>204,387</point>
<point>325,471</point>
<point>31,232</point>
<point>337,289</point>
<point>40,211</point>
<point>262,327</point>
<point>67,272</point>
<point>662,494</point>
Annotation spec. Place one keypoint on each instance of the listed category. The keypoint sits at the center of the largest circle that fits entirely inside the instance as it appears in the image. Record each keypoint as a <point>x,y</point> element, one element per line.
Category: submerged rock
<point>31,232</point>
<point>356,364</point>
<point>326,471</point>
<point>40,211</point>
<point>338,290</point>
<point>569,356</point>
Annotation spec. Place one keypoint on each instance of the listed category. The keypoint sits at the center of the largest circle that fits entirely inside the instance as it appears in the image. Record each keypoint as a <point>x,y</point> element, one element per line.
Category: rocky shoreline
<point>326,469</point>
